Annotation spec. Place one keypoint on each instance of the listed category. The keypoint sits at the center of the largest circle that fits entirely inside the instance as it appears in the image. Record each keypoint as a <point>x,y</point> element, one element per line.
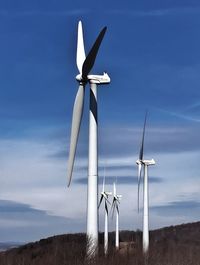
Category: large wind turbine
<point>115,207</point>
<point>104,196</point>
<point>143,164</point>
<point>85,64</point>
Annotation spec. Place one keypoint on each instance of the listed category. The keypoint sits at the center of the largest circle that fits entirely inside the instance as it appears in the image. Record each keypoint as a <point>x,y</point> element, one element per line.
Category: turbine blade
<point>90,59</point>
<point>104,195</point>
<point>139,181</point>
<point>114,189</point>
<point>104,180</point>
<point>117,199</point>
<point>106,207</point>
<point>142,145</point>
<point>117,208</point>
<point>76,122</point>
<point>100,201</point>
<point>113,209</point>
<point>80,54</point>
<point>112,206</point>
<point>107,200</point>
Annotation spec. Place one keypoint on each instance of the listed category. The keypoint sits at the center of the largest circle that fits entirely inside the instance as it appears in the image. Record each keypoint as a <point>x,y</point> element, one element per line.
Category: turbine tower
<point>85,65</point>
<point>143,164</point>
<point>115,208</point>
<point>104,196</point>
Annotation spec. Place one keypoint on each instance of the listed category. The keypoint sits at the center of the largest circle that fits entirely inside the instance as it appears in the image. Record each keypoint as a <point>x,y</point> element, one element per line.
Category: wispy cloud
<point>16,13</point>
<point>180,115</point>
<point>15,207</point>
<point>120,180</point>
<point>193,106</point>
<point>121,152</point>
<point>178,208</point>
<point>155,13</point>
<point>81,11</point>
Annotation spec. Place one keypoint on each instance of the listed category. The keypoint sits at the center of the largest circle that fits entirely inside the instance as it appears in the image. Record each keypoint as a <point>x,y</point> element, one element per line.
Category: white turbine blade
<point>139,180</point>
<point>106,199</point>
<point>117,199</point>
<point>143,134</point>
<point>76,122</point>
<point>100,200</point>
<point>103,188</point>
<point>104,194</point>
<point>114,189</point>
<point>80,55</point>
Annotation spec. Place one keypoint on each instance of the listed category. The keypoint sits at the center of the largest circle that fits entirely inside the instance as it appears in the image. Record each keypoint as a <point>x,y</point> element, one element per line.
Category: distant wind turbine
<point>143,164</point>
<point>115,208</point>
<point>85,65</point>
<point>104,196</point>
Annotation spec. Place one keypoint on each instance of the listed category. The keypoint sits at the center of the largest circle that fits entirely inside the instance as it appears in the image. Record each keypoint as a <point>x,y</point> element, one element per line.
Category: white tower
<point>145,234</point>
<point>104,196</point>
<point>115,208</point>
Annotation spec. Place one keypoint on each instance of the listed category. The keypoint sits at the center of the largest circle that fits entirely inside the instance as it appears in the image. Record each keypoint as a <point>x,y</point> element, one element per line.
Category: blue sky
<point>151,52</point>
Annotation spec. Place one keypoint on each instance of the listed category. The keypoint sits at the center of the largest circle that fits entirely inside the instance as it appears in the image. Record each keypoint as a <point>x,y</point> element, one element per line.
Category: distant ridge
<point>171,245</point>
<point>8,245</point>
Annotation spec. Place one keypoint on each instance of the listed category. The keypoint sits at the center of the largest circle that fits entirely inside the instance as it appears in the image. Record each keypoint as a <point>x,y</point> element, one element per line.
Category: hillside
<point>174,245</point>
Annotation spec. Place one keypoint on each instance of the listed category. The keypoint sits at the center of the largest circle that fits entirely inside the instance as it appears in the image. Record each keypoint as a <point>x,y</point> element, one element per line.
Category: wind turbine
<point>143,164</point>
<point>115,207</point>
<point>85,64</point>
<point>104,196</point>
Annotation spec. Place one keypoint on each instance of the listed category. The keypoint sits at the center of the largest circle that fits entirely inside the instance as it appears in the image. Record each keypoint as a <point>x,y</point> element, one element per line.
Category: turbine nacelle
<point>106,194</point>
<point>117,198</point>
<point>95,79</point>
<point>146,162</point>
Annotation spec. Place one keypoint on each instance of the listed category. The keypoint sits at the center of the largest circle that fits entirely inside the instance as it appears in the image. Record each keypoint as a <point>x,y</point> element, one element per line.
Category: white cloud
<point>29,174</point>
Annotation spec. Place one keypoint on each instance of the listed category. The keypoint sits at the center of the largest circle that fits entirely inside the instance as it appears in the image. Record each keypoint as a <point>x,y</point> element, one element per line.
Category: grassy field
<point>175,245</point>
